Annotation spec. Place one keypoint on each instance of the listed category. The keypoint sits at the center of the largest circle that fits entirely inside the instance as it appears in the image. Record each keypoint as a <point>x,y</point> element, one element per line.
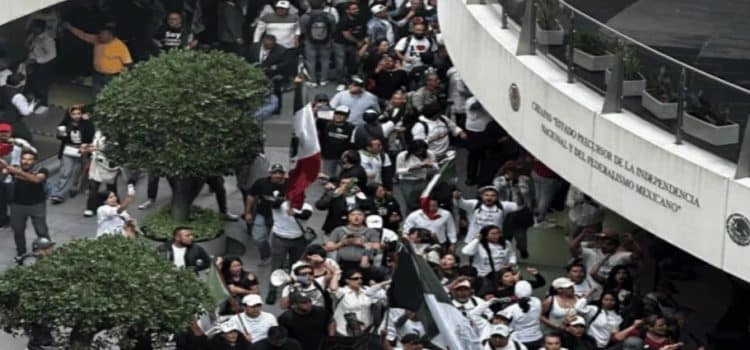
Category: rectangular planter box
<point>713,134</point>
<point>662,111</point>
<point>550,37</point>
<point>630,88</point>
<point>593,63</point>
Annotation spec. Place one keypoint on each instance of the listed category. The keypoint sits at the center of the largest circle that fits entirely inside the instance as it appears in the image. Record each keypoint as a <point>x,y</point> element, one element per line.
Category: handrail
<point>651,50</point>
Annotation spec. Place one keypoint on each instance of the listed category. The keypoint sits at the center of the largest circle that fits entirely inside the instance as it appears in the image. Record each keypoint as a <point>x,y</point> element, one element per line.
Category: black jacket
<point>277,56</point>
<point>195,256</point>
<point>337,209</point>
<point>231,23</point>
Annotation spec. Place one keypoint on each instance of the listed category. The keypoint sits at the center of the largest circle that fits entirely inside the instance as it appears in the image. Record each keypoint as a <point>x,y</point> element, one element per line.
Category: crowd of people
<point>400,115</point>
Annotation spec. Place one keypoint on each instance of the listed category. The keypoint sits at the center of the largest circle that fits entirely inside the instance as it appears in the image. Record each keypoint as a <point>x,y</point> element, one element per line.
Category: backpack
<point>427,56</point>
<point>319,28</point>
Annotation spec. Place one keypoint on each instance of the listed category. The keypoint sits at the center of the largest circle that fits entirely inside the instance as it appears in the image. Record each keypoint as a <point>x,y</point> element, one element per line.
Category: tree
<point>111,283</point>
<point>184,115</point>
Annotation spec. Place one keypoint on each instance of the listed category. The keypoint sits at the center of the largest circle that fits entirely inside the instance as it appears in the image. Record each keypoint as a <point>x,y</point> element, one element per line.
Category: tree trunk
<point>184,191</point>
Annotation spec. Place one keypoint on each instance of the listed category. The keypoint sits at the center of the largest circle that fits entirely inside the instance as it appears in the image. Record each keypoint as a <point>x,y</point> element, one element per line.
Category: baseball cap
<point>42,243</point>
<point>252,300</point>
<point>562,283</point>
<point>374,221</point>
<point>356,79</point>
<point>462,284</point>
<point>342,110</point>
<point>284,4</point>
<point>377,8</point>
<point>500,329</point>
<point>299,298</point>
<point>321,97</point>
<point>578,321</point>
<point>276,167</point>
<point>5,127</point>
<point>411,338</point>
<point>505,314</point>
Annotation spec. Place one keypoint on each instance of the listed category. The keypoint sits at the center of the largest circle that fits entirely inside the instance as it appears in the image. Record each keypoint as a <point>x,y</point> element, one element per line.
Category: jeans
<point>318,54</point>
<point>545,189</point>
<point>259,231</point>
<point>281,248</point>
<point>69,180</point>
<point>19,215</point>
<point>99,81</point>
<point>330,167</point>
<point>347,60</point>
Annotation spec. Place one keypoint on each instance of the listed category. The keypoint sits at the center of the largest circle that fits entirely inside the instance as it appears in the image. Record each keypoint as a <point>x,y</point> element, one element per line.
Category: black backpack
<point>320,28</point>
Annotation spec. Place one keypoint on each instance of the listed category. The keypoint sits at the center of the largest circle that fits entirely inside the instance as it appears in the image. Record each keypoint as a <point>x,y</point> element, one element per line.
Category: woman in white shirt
<point>353,315</point>
<point>491,252</point>
<point>603,320</point>
<point>413,169</point>
<point>112,217</point>
<point>525,317</point>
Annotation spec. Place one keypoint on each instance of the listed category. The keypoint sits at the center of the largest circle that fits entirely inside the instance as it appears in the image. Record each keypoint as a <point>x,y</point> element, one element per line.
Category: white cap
<point>506,314</point>
<point>374,221</point>
<point>523,289</point>
<point>464,283</point>
<point>252,300</point>
<point>284,4</point>
<point>578,321</point>
<point>377,8</point>
<point>562,283</point>
<point>342,109</point>
<point>500,329</point>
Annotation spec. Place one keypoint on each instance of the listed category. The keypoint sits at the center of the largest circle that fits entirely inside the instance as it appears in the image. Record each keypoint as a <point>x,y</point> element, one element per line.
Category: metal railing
<point>701,131</point>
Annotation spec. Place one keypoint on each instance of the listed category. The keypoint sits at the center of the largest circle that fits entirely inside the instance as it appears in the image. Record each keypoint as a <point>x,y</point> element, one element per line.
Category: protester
<point>264,195</point>
<point>29,199</point>
<point>111,55</point>
<point>75,134</point>
<point>182,252</point>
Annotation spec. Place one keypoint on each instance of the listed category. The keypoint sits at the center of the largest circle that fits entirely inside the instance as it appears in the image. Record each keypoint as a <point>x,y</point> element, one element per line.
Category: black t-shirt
<point>386,83</point>
<point>358,27</point>
<point>336,140</point>
<point>263,190</point>
<point>172,38</point>
<point>309,329</point>
<point>29,193</point>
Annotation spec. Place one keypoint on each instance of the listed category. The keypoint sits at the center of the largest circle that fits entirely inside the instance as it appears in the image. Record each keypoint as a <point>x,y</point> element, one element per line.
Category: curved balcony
<point>13,9</point>
<point>679,170</point>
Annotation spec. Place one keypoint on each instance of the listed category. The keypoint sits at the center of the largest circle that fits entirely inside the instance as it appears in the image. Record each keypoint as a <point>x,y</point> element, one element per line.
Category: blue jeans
<point>347,61</point>
<point>318,54</point>
<point>259,231</point>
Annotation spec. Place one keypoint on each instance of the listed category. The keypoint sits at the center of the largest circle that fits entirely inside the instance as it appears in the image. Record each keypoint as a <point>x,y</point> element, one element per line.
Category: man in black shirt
<point>174,35</point>
<point>265,194</point>
<point>306,322</point>
<point>29,199</point>
<point>350,35</point>
<point>336,139</point>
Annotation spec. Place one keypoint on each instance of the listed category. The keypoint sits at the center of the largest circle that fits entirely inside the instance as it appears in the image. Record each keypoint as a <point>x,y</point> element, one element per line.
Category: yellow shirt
<point>111,58</point>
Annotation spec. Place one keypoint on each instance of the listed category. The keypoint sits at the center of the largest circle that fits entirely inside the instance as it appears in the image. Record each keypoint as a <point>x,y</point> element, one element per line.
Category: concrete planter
<point>550,37</point>
<point>716,135</point>
<point>662,110</point>
<point>591,62</point>
<point>630,88</point>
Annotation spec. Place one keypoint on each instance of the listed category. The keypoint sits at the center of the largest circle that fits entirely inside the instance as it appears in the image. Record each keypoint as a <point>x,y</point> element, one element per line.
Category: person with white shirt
<point>288,241</point>
<point>380,26</point>
<point>42,52</point>
<point>353,314</point>
<point>253,323</point>
<point>281,24</point>
<point>486,210</point>
<point>499,338</point>
<point>112,217</point>
<point>463,299</point>
<point>602,256</point>
<point>400,323</point>
<point>477,119</point>
<point>414,168</point>
<point>603,320</point>
<point>490,251</point>
<point>582,288</point>
<point>435,219</point>
<point>374,161</point>
<point>183,253</point>
<point>525,316</point>
<point>417,49</point>
<point>435,129</point>
<point>17,106</point>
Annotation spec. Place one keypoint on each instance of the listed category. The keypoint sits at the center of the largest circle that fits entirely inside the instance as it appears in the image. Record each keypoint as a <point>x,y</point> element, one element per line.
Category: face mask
<point>303,280</point>
<point>419,36</point>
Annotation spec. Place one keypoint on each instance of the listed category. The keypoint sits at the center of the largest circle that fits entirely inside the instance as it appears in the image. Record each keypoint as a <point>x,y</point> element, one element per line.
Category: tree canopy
<point>94,285</point>
<point>184,113</point>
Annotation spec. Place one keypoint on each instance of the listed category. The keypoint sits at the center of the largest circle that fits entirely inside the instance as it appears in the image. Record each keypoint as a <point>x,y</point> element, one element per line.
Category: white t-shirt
<point>501,257</point>
<point>603,326</point>
<point>109,221</point>
<point>179,255</point>
<point>443,227</point>
<point>373,165</point>
<point>483,215</point>
<point>593,256</point>
<point>311,291</point>
<point>525,325</point>
<point>438,131</point>
<point>256,327</point>
<point>409,326</point>
<point>476,120</point>
<point>416,48</point>
<point>284,225</point>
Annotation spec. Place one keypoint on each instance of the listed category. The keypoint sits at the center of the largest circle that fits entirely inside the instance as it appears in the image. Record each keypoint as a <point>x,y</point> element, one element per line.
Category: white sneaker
<point>312,84</point>
<point>340,87</point>
<point>323,83</point>
<point>230,216</point>
<point>145,205</point>
<point>88,213</point>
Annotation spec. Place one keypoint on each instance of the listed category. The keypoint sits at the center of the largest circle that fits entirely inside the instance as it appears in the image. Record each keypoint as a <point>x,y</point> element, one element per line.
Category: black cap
<point>321,97</point>
<point>411,338</point>
<point>276,167</point>
<point>299,298</point>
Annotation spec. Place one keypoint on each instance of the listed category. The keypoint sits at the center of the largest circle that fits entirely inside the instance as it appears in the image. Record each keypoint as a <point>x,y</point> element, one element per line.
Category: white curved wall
<point>12,9</point>
<point>680,193</point>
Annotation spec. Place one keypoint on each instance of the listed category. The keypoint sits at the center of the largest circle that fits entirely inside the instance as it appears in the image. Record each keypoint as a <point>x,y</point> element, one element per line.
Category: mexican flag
<point>416,287</point>
<point>304,157</point>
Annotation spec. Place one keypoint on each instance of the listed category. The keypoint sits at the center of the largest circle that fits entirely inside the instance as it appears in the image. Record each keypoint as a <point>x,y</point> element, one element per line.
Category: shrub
<point>590,43</point>
<point>206,224</point>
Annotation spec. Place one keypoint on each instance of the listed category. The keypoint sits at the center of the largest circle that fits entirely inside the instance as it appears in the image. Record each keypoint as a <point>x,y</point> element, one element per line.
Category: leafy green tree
<point>184,115</point>
<point>111,283</point>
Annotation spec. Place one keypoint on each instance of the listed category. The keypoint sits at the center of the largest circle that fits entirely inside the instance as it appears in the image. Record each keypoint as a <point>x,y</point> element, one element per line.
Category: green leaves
<point>95,285</point>
<point>206,224</point>
<point>184,113</point>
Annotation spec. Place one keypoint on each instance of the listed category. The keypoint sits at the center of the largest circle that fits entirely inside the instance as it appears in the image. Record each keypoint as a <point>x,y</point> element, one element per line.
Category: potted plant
<point>633,82</point>
<point>112,286</point>
<point>207,225</point>
<point>708,123</point>
<point>659,98</point>
<point>591,52</point>
<point>186,115</point>
<point>548,28</point>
